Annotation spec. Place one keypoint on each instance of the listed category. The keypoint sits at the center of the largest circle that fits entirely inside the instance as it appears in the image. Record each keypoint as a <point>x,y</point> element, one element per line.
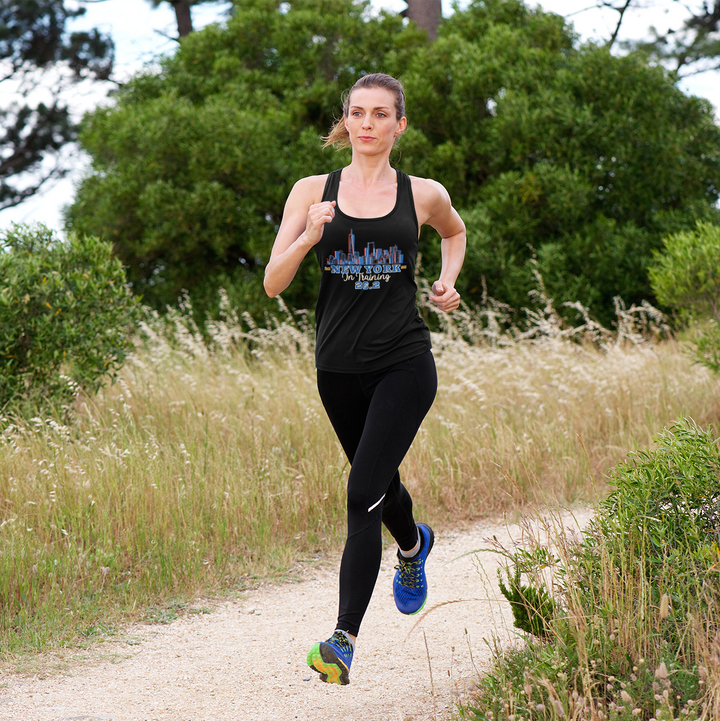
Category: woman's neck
<point>367,170</point>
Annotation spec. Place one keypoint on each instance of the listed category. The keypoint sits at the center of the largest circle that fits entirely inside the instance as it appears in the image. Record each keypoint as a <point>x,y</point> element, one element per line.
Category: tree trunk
<point>184,19</point>
<point>425,14</point>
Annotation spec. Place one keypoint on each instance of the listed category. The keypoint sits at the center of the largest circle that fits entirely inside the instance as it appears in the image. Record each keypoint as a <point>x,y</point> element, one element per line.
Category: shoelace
<point>338,639</point>
<point>409,572</point>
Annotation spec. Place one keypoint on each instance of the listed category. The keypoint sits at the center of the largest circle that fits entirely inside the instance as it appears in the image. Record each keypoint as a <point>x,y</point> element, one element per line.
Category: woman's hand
<point>433,206</point>
<point>318,214</point>
<point>445,297</point>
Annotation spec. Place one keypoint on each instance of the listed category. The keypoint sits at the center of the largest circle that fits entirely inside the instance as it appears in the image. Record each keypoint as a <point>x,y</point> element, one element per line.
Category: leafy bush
<point>532,607</point>
<point>65,317</point>
<point>706,338</point>
<point>686,276</point>
<point>632,632</point>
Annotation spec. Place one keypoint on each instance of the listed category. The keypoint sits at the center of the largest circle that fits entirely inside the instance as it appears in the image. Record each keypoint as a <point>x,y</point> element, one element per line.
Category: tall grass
<point>211,462</point>
<point>625,617</point>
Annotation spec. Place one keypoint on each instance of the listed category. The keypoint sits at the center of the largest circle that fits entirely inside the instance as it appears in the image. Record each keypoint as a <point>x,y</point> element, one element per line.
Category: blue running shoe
<point>410,585</point>
<point>332,658</point>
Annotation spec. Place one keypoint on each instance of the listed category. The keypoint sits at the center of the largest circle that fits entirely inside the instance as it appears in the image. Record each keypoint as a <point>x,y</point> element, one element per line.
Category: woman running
<point>375,371</point>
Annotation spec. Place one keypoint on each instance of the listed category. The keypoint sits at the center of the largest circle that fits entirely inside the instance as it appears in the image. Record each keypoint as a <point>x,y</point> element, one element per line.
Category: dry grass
<point>622,619</point>
<point>209,464</point>
<point>538,422</point>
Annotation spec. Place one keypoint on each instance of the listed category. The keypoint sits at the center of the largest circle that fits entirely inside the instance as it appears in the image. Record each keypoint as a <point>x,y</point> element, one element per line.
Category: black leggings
<point>376,417</point>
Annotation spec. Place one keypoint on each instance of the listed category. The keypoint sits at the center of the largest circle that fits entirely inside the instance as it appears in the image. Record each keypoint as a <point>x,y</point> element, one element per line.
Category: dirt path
<point>246,659</point>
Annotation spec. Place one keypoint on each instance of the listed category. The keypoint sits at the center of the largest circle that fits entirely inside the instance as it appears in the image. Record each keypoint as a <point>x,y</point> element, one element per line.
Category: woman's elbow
<point>269,289</point>
<point>273,284</point>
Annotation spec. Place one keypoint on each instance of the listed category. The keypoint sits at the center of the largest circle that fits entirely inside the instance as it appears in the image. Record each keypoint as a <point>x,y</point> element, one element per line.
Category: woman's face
<point>372,120</point>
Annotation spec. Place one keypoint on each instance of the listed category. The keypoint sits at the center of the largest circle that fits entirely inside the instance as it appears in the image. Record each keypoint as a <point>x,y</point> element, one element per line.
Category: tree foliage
<point>34,45</point>
<point>686,274</point>
<point>192,166</point>
<point>573,159</point>
<point>690,47</point>
<point>559,156</point>
<point>65,317</point>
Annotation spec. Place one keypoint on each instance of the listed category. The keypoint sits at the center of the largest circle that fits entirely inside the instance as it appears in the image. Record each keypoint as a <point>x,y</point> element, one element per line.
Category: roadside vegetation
<point>622,619</point>
<point>210,463</point>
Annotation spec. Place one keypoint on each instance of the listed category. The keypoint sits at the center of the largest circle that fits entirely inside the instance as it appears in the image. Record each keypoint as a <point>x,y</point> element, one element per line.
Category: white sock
<point>347,636</point>
<point>414,551</point>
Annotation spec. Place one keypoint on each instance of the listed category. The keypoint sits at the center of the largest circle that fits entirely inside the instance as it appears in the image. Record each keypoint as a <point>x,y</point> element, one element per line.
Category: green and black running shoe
<point>332,658</point>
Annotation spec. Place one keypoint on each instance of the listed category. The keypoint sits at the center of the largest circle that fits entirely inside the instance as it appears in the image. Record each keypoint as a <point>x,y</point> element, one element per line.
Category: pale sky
<point>139,33</point>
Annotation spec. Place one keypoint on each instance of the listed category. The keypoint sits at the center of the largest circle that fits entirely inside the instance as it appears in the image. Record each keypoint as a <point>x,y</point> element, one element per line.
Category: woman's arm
<point>434,208</point>
<point>300,229</point>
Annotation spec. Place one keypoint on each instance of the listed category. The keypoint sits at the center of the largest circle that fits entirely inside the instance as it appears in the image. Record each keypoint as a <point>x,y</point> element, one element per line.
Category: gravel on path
<point>246,659</point>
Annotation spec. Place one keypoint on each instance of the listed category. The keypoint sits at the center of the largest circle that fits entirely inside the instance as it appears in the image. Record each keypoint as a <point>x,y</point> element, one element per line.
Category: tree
<point>564,159</point>
<point>559,156</point>
<point>192,166</point>
<point>35,46</point>
<point>183,14</point>
<point>689,48</point>
<point>426,13</point>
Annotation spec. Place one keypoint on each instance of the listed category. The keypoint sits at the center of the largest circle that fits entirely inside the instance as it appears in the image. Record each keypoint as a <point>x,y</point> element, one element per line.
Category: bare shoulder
<point>431,198</point>
<point>428,189</point>
<point>308,190</point>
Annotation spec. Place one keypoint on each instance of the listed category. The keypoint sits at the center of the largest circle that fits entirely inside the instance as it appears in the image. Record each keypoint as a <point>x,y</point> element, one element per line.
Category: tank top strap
<point>406,201</point>
<point>404,188</point>
<point>331,185</point>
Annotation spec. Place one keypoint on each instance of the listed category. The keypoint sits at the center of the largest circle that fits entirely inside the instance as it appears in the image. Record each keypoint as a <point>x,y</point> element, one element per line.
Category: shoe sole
<point>323,659</point>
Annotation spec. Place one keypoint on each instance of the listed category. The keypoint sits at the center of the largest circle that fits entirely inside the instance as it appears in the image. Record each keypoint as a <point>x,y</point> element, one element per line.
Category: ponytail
<point>338,136</point>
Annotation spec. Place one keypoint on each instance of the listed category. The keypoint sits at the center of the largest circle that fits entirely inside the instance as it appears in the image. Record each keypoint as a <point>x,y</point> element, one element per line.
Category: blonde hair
<point>338,135</point>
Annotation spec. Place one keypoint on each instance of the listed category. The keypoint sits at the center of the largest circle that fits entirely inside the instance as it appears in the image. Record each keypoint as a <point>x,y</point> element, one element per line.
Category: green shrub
<point>65,317</point>
<point>666,505</point>
<point>533,608</point>
<point>706,341</point>
<point>632,624</point>
<point>686,276</point>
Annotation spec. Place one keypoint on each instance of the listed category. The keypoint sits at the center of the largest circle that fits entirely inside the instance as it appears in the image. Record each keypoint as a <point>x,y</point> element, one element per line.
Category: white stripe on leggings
<point>375,505</point>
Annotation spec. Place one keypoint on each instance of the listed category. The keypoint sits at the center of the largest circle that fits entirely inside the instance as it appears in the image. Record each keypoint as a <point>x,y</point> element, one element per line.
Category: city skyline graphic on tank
<point>367,270</point>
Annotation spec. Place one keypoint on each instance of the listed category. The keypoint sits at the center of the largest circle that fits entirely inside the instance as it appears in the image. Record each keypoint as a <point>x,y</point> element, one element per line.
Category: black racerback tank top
<point>366,315</point>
